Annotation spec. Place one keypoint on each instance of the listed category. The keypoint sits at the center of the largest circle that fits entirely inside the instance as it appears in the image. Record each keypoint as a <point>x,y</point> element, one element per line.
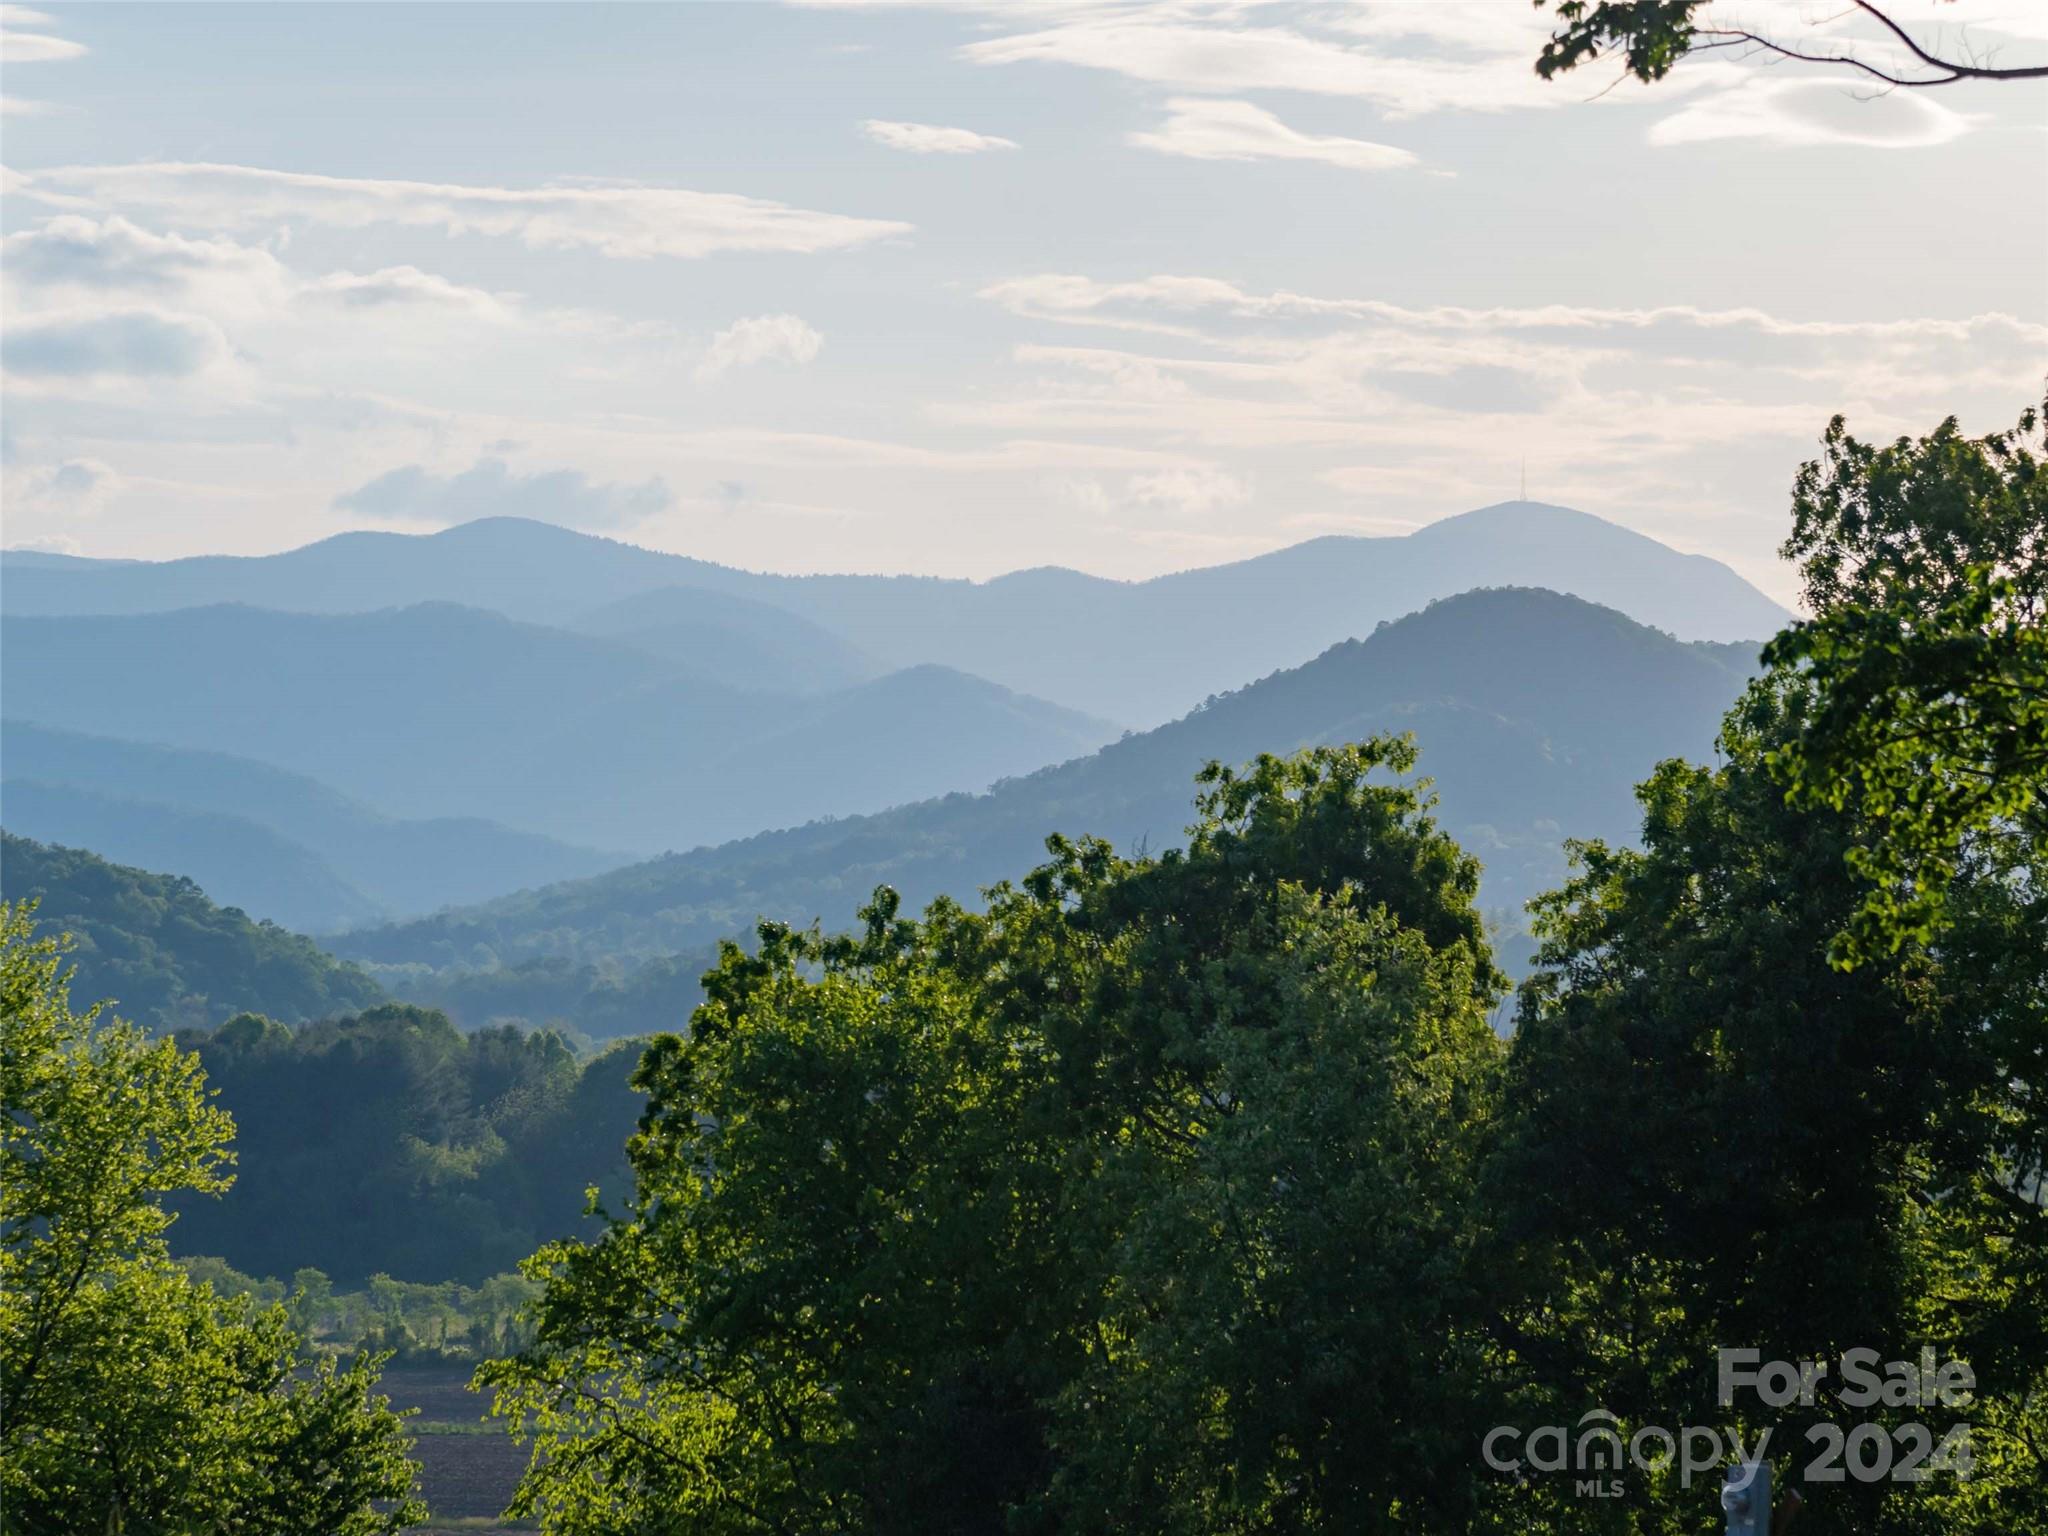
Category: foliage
<point>405,1319</point>
<point>1927,576</point>
<point>604,999</point>
<point>135,1399</point>
<point>947,1225</point>
<point>1717,1132</point>
<point>390,1141</point>
<point>1651,35</point>
<point>168,957</point>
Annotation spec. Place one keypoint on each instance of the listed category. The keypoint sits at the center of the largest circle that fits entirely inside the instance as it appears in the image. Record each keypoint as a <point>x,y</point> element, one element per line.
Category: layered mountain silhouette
<point>278,844</point>
<point>1135,652</point>
<point>716,636</point>
<point>438,711</point>
<point>1536,713</point>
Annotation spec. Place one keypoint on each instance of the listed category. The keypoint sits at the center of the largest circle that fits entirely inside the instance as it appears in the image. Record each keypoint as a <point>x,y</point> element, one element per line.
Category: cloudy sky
<point>959,288</point>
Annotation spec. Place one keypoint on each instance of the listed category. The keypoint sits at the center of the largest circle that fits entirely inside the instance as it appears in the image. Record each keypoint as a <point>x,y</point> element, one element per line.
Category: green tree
<point>1926,574</point>
<point>131,1397</point>
<point>1734,1119</point>
<point>952,1224</point>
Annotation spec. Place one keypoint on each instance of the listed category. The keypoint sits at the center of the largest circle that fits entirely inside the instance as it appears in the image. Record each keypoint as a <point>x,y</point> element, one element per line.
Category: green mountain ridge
<point>164,955</point>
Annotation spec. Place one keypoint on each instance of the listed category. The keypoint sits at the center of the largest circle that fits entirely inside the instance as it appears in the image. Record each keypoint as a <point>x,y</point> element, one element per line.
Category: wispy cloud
<point>929,139</point>
<point>491,488</point>
<point>137,343</point>
<point>1193,489</point>
<point>622,221</point>
<point>1410,60</point>
<point>1812,111</point>
<point>24,38</point>
<point>784,339</point>
<point>1687,410</point>
<point>1483,68</point>
<point>1206,129</point>
<point>1085,300</point>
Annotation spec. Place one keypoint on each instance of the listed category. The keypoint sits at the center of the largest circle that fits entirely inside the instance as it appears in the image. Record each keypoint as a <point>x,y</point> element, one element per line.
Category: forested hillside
<point>390,1142</point>
<point>166,956</point>
<point>1535,715</point>
<point>241,862</point>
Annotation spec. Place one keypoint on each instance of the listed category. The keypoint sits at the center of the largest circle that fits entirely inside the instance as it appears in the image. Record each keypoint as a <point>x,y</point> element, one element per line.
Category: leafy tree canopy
<point>1777,1080</point>
<point>1926,572</point>
<point>1054,1216</point>
<point>131,1397</point>
<point>391,1141</point>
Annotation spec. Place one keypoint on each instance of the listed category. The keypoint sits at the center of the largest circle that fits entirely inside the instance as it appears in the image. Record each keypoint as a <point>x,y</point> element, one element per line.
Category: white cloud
<point>1410,58</point>
<point>490,488</point>
<point>928,139</point>
<point>1812,111</point>
<point>404,287</point>
<point>24,47</point>
<point>782,339</point>
<point>1188,51</point>
<point>1084,300</point>
<point>70,253</point>
<point>1185,490</point>
<point>1205,129</point>
<point>622,221</point>
<point>136,343</point>
<point>1196,490</point>
<point>1353,408</point>
<point>70,489</point>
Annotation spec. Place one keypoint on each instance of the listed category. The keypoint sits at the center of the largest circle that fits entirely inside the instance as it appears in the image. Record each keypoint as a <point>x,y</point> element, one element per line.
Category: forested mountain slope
<point>1536,714</point>
<point>166,956</point>
<point>242,862</point>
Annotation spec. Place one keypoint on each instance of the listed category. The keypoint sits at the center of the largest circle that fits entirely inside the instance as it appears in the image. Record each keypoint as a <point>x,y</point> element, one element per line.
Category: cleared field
<point>468,1466</point>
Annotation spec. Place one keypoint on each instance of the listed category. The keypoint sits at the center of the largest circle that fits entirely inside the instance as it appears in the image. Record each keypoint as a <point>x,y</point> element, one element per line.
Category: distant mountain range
<point>1536,714</point>
<point>277,844</point>
<point>446,751</point>
<point>438,711</point>
<point>1135,652</point>
<point>717,637</point>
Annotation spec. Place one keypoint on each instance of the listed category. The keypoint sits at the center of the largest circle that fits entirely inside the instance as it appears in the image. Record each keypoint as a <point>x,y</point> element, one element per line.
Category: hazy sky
<point>958,288</point>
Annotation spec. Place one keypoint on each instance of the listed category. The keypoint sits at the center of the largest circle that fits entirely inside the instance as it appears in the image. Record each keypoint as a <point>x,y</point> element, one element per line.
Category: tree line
<point>390,1141</point>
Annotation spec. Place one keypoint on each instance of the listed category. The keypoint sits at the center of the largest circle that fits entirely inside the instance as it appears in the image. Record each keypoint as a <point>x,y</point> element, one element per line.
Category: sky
<point>961,288</point>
